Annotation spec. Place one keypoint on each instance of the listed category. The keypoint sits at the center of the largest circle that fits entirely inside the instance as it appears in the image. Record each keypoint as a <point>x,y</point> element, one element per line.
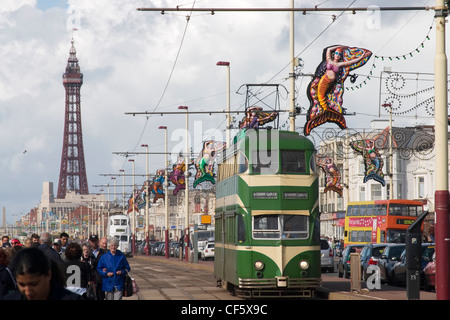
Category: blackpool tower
<point>72,175</point>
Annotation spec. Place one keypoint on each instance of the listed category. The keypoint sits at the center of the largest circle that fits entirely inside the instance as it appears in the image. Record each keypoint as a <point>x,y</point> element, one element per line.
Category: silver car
<point>326,255</point>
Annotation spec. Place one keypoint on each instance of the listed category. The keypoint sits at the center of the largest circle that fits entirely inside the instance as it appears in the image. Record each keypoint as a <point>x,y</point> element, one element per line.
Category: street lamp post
<point>292,73</point>
<point>186,192</point>
<point>166,198</point>
<point>147,199</point>
<point>123,191</point>
<point>227,64</point>
<point>133,233</point>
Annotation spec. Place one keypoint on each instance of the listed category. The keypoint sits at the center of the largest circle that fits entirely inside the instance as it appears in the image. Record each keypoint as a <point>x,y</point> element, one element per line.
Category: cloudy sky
<point>136,61</point>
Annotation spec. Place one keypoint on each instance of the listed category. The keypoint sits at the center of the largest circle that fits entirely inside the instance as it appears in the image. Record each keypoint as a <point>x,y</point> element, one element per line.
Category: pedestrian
<point>94,242</point>
<point>102,249</point>
<point>89,258</point>
<point>16,245</point>
<point>5,242</point>
<point>35,237</point>
<point>77,272</point>
<point>103,243</point>
<point>46,246</point>
<point>36,279</point>
<point>7,283</point>
<point>28,242</point>
<point>57,247</point>
<point>113,266</point>
<point>64,237</point>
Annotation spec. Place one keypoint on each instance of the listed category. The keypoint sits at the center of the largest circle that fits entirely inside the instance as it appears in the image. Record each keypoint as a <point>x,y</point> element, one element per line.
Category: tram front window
<point>283,226</point>
<point>294,226</point>
<point>266,226</point>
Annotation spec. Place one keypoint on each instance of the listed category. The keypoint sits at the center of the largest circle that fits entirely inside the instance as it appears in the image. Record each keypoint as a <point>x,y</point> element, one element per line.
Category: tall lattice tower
<point>72,175</point>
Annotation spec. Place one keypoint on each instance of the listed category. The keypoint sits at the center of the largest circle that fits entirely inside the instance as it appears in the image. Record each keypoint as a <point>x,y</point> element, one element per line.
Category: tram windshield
<point>284,226</point>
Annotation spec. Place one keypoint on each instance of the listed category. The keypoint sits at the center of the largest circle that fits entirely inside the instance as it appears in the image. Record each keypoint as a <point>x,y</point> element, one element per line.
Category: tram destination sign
<point>265,195</point>
<point>295,195</point>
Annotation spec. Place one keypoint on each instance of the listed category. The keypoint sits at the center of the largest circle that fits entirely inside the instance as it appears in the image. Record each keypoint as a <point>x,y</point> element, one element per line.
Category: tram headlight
<point>259,265</point>
<point>304,264</point>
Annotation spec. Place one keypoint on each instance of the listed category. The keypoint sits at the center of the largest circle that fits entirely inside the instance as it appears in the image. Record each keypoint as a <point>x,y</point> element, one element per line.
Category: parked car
<point>399,270</point>
<point>343,264</point>
<point>369,256</point>
<point>429,273</point>
<point>160,250</point>
<point>208,251</point>
<point>386,262</point>
<point>154,248</point>
<point>173,249</point>
<point>326,255</point>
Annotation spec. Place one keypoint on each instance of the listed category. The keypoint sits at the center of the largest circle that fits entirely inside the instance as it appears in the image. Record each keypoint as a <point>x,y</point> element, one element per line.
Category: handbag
<point>135,286</point>
<point>128,286</point>
<point>90,292</point>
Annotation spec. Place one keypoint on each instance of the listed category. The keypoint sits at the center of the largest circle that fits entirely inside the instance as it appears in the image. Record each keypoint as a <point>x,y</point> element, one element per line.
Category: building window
<point>375,191</point>
<point>362,167</point>
<point>399,191</point>
<point>421,187</point>
<point>362,193</point>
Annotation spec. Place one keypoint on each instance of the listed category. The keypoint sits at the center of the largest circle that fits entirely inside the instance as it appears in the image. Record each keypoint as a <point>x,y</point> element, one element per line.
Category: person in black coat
<point>46,247</point>
<point>77,272</point>
<point>7,283</point>
<point>97,251</point>
<point>34,275</point>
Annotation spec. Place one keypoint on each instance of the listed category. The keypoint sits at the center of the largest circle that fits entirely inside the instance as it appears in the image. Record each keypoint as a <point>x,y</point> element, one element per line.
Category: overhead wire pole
<point>292,73</point>
<point>442,198</point>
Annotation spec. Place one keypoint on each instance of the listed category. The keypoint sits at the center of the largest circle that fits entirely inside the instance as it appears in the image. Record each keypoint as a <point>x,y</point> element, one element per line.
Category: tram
<point>119,227</point>
<point>267,237</point>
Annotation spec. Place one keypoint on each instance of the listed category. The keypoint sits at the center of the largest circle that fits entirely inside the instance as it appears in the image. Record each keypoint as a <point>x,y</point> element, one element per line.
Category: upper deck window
<point>120,222</point>
<point>264,161</point>
<point>293,161</point>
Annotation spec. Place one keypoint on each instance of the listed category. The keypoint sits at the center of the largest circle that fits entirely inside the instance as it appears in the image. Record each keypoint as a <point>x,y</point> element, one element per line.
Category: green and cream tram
<point>267,216</point>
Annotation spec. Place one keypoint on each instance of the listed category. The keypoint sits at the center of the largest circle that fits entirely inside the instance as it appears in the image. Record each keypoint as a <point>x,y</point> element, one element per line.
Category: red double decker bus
<point>380,221</point>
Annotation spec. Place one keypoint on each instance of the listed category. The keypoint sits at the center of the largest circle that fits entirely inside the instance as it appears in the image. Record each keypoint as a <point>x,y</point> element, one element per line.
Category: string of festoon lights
<point>393,102</point>
<point>391,58</point>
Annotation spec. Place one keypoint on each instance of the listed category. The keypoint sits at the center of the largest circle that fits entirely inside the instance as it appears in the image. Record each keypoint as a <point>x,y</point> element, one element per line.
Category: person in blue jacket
<point>112,267</point>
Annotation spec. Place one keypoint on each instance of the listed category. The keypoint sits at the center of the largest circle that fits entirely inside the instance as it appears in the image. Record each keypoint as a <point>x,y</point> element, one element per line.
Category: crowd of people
<point>47,268</point>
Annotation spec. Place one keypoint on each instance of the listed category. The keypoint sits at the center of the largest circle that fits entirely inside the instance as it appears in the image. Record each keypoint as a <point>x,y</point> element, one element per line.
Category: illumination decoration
<point>177,176</point>
<point>325,91</point>
<point>138,199</point>
<point>372,160</point>
<point>255,117</point>
<point>332,174</point>
<point>393,102</point>
<point>205,161</point>
<point>156,187</point>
